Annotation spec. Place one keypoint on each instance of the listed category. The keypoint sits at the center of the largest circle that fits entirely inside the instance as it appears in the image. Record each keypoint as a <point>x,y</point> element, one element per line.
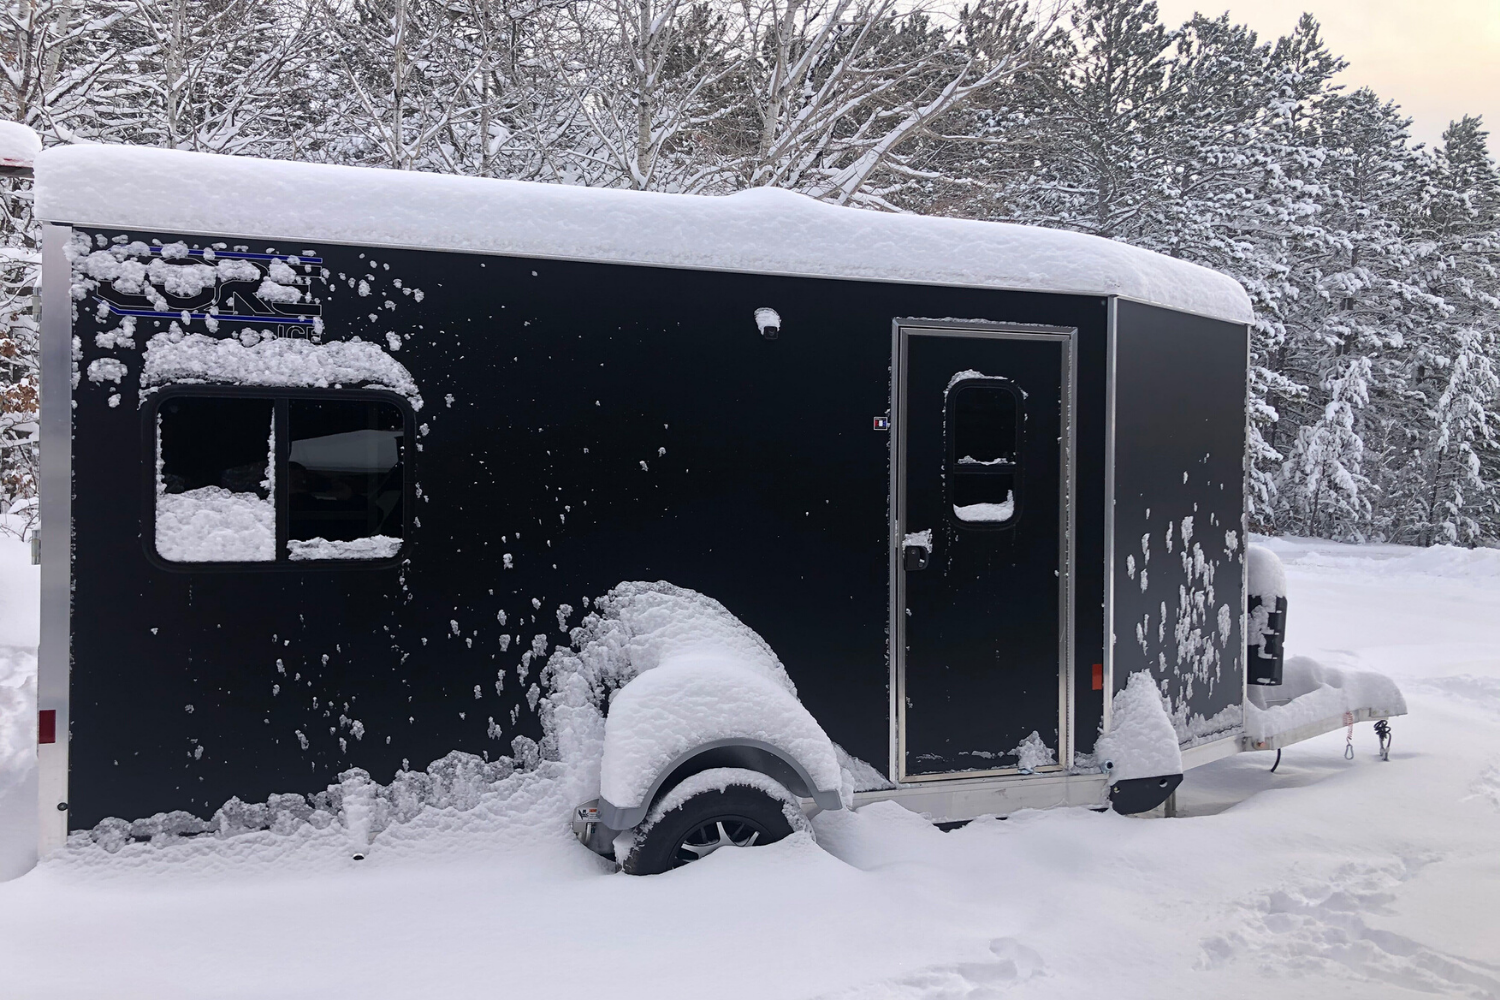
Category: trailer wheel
<point>694,825</point>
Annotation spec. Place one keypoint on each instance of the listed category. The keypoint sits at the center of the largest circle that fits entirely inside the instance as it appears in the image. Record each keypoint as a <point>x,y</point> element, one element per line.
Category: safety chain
<point>1383,731</point>
<point>1349,738</point>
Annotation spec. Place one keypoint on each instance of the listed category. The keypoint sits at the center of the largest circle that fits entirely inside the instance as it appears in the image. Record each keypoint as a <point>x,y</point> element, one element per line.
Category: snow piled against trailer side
<point>1311,692</point>
<point>761,230</point>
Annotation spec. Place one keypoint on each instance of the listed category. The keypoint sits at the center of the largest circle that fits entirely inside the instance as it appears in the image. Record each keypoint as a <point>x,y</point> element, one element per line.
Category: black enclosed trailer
<point>352,451</point>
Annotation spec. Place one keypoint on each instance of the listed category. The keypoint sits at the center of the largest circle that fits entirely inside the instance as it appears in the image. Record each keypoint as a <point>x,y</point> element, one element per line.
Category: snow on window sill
<point>992,513</point>
<point>374,547</point>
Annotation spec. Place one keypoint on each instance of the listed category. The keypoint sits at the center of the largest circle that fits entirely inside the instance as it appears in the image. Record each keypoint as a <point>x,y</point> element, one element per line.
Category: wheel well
<point>751,755</point>
<point>750,758</point>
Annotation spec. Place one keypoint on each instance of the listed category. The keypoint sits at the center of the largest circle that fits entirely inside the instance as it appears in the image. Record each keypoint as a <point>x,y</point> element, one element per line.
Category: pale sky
<point>1438,59</point>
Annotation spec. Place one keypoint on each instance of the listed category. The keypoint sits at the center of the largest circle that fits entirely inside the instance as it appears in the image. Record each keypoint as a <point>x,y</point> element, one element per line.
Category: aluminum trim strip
<point>903,329</point>
<point>54,652</point>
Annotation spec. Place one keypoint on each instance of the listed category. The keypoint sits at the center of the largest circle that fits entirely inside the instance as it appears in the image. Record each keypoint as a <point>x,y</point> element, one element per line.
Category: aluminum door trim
<point>1108,670</point>
<point>902,330</point>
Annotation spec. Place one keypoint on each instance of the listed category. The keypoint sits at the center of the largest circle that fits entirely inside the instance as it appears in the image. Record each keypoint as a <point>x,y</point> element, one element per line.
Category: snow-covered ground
<point>1329,878</point>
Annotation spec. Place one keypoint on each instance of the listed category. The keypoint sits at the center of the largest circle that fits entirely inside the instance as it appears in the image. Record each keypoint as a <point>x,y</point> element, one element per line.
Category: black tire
<point>738,815</point>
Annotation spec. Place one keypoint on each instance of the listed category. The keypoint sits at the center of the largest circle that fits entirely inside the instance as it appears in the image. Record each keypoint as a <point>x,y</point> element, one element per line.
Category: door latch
<point>915,557</point>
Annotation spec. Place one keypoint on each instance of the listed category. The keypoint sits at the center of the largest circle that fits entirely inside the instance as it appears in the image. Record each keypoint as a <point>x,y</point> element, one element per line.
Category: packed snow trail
<point>1329,878</point>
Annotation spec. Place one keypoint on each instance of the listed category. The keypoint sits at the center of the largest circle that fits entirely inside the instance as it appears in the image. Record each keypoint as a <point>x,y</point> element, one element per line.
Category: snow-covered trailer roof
<point>761,231</point>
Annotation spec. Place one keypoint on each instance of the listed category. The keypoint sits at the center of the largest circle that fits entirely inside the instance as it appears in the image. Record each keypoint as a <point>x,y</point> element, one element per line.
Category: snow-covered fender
<point>690,715</point>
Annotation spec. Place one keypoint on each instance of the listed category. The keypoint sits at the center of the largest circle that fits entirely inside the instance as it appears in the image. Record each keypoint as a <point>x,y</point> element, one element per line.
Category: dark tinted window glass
<point>345,479</point>
<point>215,480</point>
<point>984,425</point>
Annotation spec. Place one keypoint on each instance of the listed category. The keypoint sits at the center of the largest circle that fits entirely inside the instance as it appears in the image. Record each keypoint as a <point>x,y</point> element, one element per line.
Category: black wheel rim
<point>721,831</point>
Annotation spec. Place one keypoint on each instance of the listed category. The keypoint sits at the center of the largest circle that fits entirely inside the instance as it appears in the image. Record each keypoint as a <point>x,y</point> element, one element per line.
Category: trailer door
<point>980,549</point>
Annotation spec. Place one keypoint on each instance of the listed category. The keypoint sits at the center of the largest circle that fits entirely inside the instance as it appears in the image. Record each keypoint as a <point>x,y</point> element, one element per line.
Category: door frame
<point>902,330</point>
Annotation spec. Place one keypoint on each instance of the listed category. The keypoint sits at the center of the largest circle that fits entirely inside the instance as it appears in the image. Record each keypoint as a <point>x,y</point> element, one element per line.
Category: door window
<point>985,420</point>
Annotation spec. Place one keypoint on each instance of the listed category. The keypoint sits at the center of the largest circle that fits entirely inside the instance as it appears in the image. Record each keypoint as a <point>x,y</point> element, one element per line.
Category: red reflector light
<point>1098,677</point>
<point>46,726</point>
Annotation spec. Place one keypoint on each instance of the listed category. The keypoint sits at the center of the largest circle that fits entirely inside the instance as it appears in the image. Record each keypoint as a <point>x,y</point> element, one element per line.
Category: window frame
<point>279,397</point>
<point>950,451</point>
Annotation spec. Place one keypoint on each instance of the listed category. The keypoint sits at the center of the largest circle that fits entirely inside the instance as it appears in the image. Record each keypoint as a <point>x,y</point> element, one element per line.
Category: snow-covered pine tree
<point>1324,485</point>
<point>1439,489</point>
<point>1100,133</point>
<point>1356,271</point>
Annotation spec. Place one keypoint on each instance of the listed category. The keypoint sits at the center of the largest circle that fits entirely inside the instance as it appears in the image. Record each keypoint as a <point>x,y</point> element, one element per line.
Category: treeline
<point>1371,260</point>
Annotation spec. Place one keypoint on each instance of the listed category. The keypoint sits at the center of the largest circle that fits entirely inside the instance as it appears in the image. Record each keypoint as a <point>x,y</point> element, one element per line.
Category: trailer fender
<point>682,718</point>
<point>740,752</point>
<point>1137,795</point>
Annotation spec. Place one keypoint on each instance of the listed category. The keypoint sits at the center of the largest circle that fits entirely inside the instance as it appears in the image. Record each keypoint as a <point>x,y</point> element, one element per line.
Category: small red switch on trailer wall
<point>1098,677</point>
<point>46,726</point>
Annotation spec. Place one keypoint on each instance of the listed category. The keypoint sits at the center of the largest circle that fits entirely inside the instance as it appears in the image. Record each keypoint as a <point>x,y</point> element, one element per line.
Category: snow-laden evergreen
<point>1370,260</point>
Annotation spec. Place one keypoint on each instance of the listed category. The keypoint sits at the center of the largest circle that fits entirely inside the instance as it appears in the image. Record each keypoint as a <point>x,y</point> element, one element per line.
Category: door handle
<point>915,557</point>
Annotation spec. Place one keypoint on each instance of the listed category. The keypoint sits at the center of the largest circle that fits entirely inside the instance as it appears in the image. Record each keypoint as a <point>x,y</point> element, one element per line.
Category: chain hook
<point>1349,737</point>
<point>1383,731</point>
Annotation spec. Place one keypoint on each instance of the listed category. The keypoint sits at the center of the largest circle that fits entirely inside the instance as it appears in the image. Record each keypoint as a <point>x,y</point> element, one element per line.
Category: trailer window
<point>984,446</point>
<point>215,479</point>
<point>295,479</point>
<point>345,479</point>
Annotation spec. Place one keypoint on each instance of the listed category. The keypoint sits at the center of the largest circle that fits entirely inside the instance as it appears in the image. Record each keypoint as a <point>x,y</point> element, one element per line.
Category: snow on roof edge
<point>760,231</point>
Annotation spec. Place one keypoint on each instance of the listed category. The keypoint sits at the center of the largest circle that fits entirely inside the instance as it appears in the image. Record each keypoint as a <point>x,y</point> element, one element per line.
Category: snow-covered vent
<point>768,321</point>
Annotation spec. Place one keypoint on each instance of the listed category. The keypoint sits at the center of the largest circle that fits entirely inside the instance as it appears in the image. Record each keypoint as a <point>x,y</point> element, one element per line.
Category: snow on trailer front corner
<point>1315,698</point>
<point>1141,742</point>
